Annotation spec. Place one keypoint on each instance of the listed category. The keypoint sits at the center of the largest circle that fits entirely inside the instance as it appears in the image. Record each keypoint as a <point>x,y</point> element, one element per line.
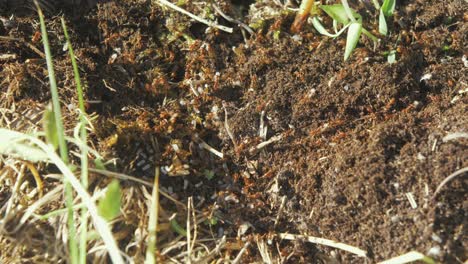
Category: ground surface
<point>348,141</point>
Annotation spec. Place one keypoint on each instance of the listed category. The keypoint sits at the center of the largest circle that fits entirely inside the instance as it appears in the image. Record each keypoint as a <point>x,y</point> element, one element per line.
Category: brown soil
<point>351,139</point>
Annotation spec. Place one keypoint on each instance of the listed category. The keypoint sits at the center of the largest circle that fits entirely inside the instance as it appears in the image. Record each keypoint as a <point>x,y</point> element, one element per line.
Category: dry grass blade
<point>189,233</point>
<point>241,253</point>
<point>325,242</point>
<point>9,205</point>
<point>37,178</point>
<point>454,136</point>
<point>263,250</point>
<point>50,196</point>
<point>409,257</point>
<point>220,244</point>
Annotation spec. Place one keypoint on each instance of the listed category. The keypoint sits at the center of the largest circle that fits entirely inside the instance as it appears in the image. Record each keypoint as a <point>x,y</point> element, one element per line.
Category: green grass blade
<point>153,221</point>
<point>76,73</point>
<point>388,7</point>
<point>58,212</point>
<point>83,148</point>
<point>348,10</point>
<point>321,29</point>
<point>60,136</point>
<point>376,4</point>
<point>354,32</point>
<point>338,13</point>
<point>382,24</point>
<point>50,126</point>
<point>369,35</point>
<point>109,205</point>
<point>13,144</point>
<point>53,89</point>
<point>178,228</point>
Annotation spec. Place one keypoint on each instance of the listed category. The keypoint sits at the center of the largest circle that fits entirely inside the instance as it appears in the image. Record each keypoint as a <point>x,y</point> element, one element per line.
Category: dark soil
<point>353,139</point>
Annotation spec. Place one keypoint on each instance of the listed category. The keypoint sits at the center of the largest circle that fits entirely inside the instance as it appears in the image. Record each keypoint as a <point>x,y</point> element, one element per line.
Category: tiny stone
<point>395,219</point>
<point>426,76</point>
<point>71,107</point>
<point>421,157</point>
<point>465,61</point>
<point>297,38</point>
<point>312,92</point>
<point>436,238</point>
<point>434,251</point>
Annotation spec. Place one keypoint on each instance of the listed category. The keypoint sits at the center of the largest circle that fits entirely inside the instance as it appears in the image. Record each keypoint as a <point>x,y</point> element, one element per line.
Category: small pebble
<point>395,219</point>
<point>220,232</point>
<point>434,251</point>
<point>436,238</point>
<point>421,157</point>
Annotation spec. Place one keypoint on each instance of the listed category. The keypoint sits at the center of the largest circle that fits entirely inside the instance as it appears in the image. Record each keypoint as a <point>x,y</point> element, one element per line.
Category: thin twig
<point>449,178</point>
<point>263,250</point>
<point>189,232</point>
<point>199,19</point>
<point>241,252</point>
<point>205,145</point>
<point>195,225</point>
<point>280,210</point>
<point>228,130</point>
<point>233,20</point>
<point>454,136</point>
<point>27,44</point>
<point>7,57</point>
<point>14,194</point>
<point>266,143</point>
<point>208,257</point>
